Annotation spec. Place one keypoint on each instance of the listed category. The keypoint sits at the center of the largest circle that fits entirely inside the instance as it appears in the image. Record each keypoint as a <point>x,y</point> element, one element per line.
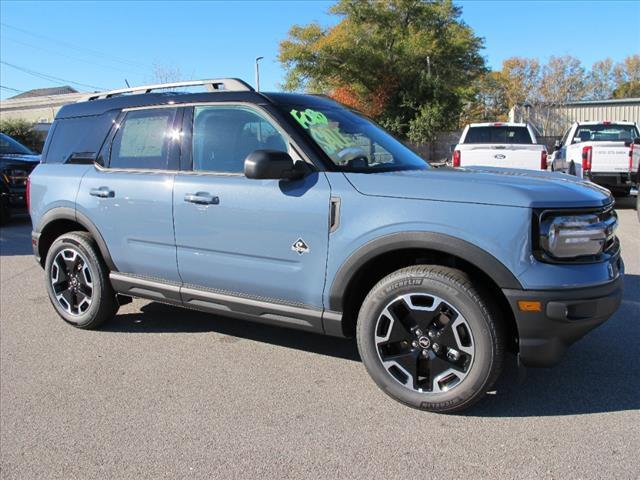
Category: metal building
<point>554,120</point>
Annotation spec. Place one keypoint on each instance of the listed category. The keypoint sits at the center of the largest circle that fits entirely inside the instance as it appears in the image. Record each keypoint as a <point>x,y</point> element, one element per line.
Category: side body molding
<point>66,213</point>
<point>418,240</point>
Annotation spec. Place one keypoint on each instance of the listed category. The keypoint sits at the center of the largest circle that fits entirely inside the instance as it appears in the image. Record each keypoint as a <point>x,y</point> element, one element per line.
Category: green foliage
<point>629,89</point>
<point>409,64</point>
<point>23,132</point>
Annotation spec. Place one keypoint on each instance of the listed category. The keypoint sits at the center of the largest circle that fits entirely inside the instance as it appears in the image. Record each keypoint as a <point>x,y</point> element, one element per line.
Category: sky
<point>100,44</point>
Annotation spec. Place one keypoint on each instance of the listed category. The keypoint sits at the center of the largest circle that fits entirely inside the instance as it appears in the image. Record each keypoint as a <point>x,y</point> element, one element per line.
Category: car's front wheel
<point>78,281</point>
<point>429,340</point>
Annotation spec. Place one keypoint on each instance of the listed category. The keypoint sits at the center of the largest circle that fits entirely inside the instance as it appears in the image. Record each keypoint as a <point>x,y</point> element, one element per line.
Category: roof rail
<point>212,85</point>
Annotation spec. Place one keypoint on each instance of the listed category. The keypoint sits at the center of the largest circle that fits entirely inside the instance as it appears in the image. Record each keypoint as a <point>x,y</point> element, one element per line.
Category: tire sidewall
<point>484,342</point>
<point>87,317</point>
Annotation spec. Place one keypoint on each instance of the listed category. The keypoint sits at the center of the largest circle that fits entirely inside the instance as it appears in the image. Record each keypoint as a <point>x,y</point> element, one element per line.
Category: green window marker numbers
<point>309,118</point>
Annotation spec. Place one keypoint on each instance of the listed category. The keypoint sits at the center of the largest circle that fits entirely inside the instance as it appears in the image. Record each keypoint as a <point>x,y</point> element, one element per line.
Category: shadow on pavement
<point>160,318</point>
<point>598,374</point>
<point>15,237</point>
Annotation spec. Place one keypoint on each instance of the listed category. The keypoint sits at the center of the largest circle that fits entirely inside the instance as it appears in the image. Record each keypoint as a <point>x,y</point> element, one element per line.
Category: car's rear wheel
<point>78,281</point>
<point>428,339</point>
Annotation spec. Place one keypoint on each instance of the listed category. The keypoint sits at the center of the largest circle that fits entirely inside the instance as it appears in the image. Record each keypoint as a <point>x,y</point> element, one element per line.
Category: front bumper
<point>565,317</point>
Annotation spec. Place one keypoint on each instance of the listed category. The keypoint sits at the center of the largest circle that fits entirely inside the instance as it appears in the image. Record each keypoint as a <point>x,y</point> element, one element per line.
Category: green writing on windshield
<point>327,135</point>
<point>308,117</point>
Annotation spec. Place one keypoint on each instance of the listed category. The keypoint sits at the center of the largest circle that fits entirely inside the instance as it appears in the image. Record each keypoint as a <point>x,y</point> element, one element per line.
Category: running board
<point>282,314</point>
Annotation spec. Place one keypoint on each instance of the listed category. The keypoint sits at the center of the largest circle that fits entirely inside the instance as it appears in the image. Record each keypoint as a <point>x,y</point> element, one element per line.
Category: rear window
<point>76,135</point>
<point>605,133</point>
<point>498,134</point>
<point>143,140</point>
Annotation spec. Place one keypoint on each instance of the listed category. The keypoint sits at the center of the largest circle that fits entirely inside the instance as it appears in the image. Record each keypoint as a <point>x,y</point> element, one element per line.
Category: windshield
<point>605,132</point>
<point>499,134</point>
<point>9,146</point>
<point>353,143</point>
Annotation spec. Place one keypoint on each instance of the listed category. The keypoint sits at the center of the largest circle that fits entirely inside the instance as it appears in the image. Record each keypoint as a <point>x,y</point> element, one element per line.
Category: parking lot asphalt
<point>162,392</point>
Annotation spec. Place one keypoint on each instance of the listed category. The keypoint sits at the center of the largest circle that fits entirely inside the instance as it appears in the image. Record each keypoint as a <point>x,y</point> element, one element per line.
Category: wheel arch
<point>61,220</point>
<point>379,257</point>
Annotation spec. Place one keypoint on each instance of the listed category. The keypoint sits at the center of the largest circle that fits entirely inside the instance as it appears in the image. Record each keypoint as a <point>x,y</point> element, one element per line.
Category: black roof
<point>98,107</point>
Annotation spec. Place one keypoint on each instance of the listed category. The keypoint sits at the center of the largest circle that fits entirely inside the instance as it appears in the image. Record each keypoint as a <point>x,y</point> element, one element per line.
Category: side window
<point>143,140</point>
<point>224,136</point>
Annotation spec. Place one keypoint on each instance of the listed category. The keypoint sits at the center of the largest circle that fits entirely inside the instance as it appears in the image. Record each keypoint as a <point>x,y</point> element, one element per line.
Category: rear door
<point>261,239</point>
<point>130,197</point>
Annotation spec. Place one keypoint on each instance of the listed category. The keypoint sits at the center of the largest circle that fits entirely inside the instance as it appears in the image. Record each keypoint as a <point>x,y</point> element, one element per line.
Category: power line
<point>50,78</point>
<point>11,89</point>
<point>73,46</point>
<point>71,57</point>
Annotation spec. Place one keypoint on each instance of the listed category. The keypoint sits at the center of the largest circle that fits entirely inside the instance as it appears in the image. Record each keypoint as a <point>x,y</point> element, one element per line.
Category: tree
<point>562,81</point>
<point>628,70</point>
<point>165,74</point>
<point>601,81</point>
<point>409,64</point>
<point>627,90</point>
<point>23,132</point>
<point>490,101</point>
<point>521,78</point>
<point>627,78</point>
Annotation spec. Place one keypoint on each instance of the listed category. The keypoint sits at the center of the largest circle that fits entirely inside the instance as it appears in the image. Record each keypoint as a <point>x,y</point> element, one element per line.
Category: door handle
<point>102,192</point>
<point>201,198</point>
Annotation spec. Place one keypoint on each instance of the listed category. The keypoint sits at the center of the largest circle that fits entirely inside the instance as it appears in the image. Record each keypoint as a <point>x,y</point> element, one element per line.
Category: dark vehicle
<point>16,163</point>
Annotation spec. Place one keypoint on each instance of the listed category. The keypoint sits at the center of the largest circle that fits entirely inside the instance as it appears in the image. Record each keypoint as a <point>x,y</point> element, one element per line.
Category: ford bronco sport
<point>295,211</point>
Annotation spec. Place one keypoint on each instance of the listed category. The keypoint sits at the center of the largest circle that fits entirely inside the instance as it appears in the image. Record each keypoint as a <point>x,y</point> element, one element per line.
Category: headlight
<point>566,237</point>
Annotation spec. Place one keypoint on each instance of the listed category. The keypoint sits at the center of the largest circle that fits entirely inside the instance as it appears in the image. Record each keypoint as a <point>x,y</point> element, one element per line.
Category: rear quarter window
<point>499,134</point>
<point>77,135</point>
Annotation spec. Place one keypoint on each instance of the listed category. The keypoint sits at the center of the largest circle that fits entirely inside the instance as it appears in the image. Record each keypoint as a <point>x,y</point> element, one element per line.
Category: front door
<point>261,239</point>
<point>130,198</point>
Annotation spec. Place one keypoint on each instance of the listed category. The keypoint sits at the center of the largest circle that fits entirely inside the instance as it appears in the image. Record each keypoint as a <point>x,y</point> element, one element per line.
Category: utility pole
<point>258,73</point>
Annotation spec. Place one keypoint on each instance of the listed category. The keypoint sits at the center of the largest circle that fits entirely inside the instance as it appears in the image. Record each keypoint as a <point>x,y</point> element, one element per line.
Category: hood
<point>485,185</point>
<point>16,158</point>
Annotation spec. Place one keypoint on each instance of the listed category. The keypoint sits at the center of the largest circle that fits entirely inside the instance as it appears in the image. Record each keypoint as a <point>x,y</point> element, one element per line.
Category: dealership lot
<point>165,392</point>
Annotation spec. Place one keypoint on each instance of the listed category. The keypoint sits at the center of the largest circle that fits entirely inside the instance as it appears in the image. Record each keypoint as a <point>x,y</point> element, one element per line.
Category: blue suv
<point>294,211</point>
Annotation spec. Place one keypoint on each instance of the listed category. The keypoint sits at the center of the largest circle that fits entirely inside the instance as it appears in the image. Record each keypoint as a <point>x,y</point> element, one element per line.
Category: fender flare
<point>67,213</point>
<point>468,252</point>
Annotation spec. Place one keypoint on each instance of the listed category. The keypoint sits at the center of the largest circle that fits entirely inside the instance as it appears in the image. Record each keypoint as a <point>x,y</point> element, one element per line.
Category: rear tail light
<point>543,160</point>
<point>28,194</point>
<point>456,158</point>
<point>586,158</point>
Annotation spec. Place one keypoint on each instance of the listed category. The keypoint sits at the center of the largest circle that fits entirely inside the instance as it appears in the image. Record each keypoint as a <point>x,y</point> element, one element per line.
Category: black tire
<point>102,304</point>
<point>458,302</point>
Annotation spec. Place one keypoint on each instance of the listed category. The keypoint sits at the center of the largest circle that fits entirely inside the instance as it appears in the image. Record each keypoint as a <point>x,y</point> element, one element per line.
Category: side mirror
<point>272,165</point>
<point>556,145</point>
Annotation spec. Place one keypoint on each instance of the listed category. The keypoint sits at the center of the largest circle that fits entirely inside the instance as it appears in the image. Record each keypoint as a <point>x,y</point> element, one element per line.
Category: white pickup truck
<point>511,145</point>
<point>598,151</point>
